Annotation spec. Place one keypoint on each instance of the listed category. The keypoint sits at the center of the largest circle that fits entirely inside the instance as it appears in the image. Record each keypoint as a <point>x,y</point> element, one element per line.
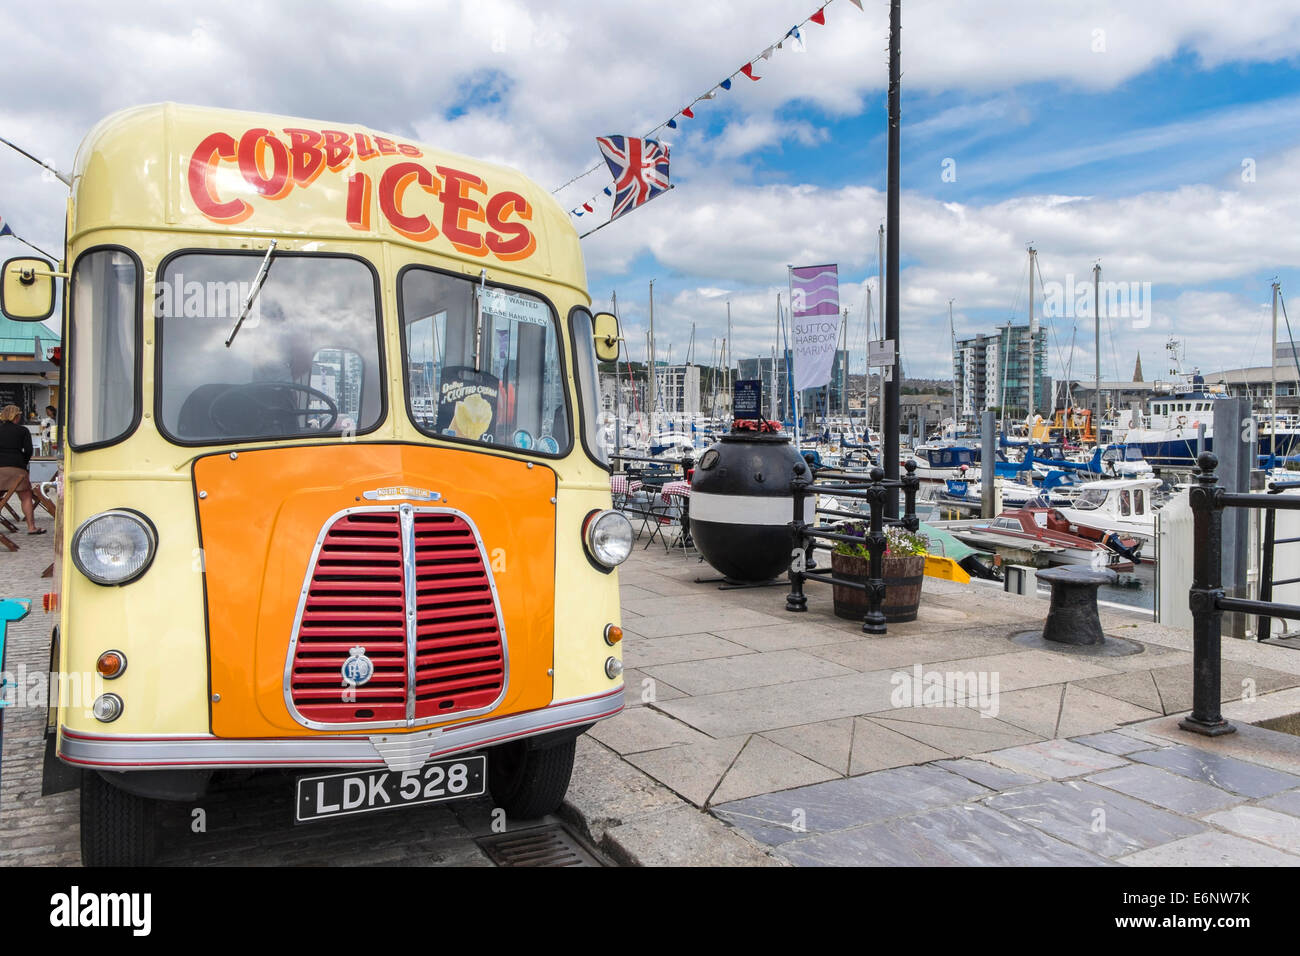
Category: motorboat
<point>940,462</point>
<point>1029,529</point>
<point>1124,505</point>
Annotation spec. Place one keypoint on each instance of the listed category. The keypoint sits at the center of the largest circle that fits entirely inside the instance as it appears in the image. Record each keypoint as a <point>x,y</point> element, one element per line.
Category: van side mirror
<point>607,336</point>
<point>27,289</point>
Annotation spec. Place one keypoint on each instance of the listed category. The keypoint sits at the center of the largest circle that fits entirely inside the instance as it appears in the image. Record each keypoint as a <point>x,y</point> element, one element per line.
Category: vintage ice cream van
<point>334,497</point>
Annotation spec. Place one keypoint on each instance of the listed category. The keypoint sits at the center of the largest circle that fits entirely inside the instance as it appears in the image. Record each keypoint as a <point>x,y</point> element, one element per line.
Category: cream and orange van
<point>334,497</point>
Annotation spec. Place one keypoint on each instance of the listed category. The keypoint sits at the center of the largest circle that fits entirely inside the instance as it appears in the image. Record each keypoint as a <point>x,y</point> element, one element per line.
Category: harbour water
<point>1141,593</point>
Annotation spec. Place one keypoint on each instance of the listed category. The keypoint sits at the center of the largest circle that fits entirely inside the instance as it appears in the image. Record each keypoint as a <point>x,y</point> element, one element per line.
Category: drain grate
<point>550,845</point>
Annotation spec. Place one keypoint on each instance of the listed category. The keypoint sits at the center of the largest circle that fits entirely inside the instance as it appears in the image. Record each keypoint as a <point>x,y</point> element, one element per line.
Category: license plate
<point>347,794</point>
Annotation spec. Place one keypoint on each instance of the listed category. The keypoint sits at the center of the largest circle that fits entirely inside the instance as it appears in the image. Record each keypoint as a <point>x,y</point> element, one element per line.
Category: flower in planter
<point>899,542</point>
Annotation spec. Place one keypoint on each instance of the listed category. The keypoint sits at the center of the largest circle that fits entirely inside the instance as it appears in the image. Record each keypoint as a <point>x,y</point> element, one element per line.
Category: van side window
<point>103,320</point>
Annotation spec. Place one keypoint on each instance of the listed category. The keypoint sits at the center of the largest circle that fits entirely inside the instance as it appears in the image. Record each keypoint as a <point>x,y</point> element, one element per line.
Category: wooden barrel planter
<point>903,577</point>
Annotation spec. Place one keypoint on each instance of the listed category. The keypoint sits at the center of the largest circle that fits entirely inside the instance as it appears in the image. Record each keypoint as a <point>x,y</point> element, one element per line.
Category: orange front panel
<point>260,515</point>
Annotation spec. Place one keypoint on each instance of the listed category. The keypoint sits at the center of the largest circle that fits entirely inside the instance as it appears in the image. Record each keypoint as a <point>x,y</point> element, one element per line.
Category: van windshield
<point>306,361</point>
<point>483,363</point>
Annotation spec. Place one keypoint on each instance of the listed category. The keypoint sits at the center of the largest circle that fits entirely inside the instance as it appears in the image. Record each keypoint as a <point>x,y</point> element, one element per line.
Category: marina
<point>527,435</point>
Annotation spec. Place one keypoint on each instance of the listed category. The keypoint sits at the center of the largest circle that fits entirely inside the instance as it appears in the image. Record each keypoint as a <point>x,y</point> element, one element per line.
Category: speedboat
<point>1028,529</point>
<point>1120,504</point>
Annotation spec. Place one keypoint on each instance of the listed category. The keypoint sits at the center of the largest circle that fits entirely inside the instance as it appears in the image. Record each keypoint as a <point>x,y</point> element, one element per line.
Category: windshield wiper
<point>253,292</point>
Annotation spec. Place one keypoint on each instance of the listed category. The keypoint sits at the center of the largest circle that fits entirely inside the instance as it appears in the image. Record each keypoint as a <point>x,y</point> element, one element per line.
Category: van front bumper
<point>397,751</point>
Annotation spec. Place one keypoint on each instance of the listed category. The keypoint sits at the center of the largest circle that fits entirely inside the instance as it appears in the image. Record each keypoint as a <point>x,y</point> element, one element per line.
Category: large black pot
<point>742,503</point>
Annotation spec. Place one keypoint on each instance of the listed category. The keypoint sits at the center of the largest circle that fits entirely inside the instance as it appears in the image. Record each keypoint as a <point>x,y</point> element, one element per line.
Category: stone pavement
<point>757,736</point>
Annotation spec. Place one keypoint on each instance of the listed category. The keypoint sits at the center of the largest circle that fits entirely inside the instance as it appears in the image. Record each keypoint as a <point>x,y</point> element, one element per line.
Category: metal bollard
<point>874,622</point>
<point>796,600</point>
<point>1206,592</point>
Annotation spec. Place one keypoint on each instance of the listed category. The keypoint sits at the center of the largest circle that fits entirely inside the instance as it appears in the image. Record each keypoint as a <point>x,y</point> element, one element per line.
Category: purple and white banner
<point>814,323</point>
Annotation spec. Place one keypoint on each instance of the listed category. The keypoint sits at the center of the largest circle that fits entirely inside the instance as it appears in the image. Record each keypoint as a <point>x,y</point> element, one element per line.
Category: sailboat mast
<point>652,395</point>
<point>1096,349</point>
<point>1272,407</point>
<point>731,385</point>
<point>1032,323</point>
<point>952,336</point>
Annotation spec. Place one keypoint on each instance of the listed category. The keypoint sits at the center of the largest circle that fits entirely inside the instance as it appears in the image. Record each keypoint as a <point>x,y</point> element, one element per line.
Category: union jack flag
<point>639,168</point>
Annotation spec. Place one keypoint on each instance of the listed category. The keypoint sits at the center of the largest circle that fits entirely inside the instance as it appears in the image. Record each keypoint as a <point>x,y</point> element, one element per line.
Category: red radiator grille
<point>357,597</point>
<point>459,658</point>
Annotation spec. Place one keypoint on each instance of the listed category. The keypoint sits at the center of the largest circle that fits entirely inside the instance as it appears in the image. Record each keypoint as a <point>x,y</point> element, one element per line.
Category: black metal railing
<point>1207,597</point>
<point>874,489</point>
<point>1271,541</point>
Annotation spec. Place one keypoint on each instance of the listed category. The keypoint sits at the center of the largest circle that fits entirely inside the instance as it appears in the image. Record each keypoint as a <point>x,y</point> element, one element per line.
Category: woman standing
<point>15,453</point>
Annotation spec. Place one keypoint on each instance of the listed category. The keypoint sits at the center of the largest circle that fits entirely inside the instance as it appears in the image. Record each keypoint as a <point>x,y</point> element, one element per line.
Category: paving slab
<point>606,791</point>
<point>1238,681</point>
<point>877,653</point>
<point>641,689</point>
<point>643,728</point>
<point>1024,668</point>
<point>776,818</point>
<point>1135,687</point>
<point>987,774</point>
<point>1034,709</point>
<point>1219,770</point>
<point>691,770</point>
<point>763,766</point>
<point>1084,711</point>
<point>1113,742</point>
<point>1165,789</point>
<point>700,678</point>
<point>1279,830</point>
<point>1055,759</point>
<point>966,835</point>
<point>957,731</point>
<point>796,634</point>
<point>642,652</point>
<point>1093,818</point>
<point>1258,745</point>
<point>828,742</point>
<point>877,747</point>
<point>1288,802</point>
<point>719,621</point>
<point>758,709</point>
<point>1211,848</point>
<point>682,837</point>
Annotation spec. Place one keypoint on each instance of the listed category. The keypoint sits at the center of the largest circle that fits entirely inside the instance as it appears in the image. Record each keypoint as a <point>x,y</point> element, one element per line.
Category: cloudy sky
<point>1159,137</point>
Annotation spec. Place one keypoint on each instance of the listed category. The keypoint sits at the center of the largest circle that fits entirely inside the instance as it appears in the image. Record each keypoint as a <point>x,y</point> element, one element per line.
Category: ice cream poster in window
<point>467,404</point>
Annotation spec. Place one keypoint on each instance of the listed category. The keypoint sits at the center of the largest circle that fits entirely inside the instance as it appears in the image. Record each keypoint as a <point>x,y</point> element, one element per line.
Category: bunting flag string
<point>6,230</point>
<point>796,43</point>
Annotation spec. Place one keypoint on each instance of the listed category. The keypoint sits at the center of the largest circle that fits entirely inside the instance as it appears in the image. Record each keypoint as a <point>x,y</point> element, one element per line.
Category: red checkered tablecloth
<point>679,489</point>
<point>619,485</point>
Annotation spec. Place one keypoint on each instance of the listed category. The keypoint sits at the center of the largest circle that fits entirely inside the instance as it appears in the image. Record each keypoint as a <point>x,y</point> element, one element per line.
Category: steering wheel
<point>264,408</point>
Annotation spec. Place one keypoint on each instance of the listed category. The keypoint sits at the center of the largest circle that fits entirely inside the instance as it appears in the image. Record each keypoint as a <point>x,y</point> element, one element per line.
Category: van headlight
<point>608,536</point>
<point>114,547</point>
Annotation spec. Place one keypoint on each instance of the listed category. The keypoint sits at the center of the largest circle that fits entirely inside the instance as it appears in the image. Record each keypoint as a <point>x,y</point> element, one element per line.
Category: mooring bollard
<point>1073,617</point>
